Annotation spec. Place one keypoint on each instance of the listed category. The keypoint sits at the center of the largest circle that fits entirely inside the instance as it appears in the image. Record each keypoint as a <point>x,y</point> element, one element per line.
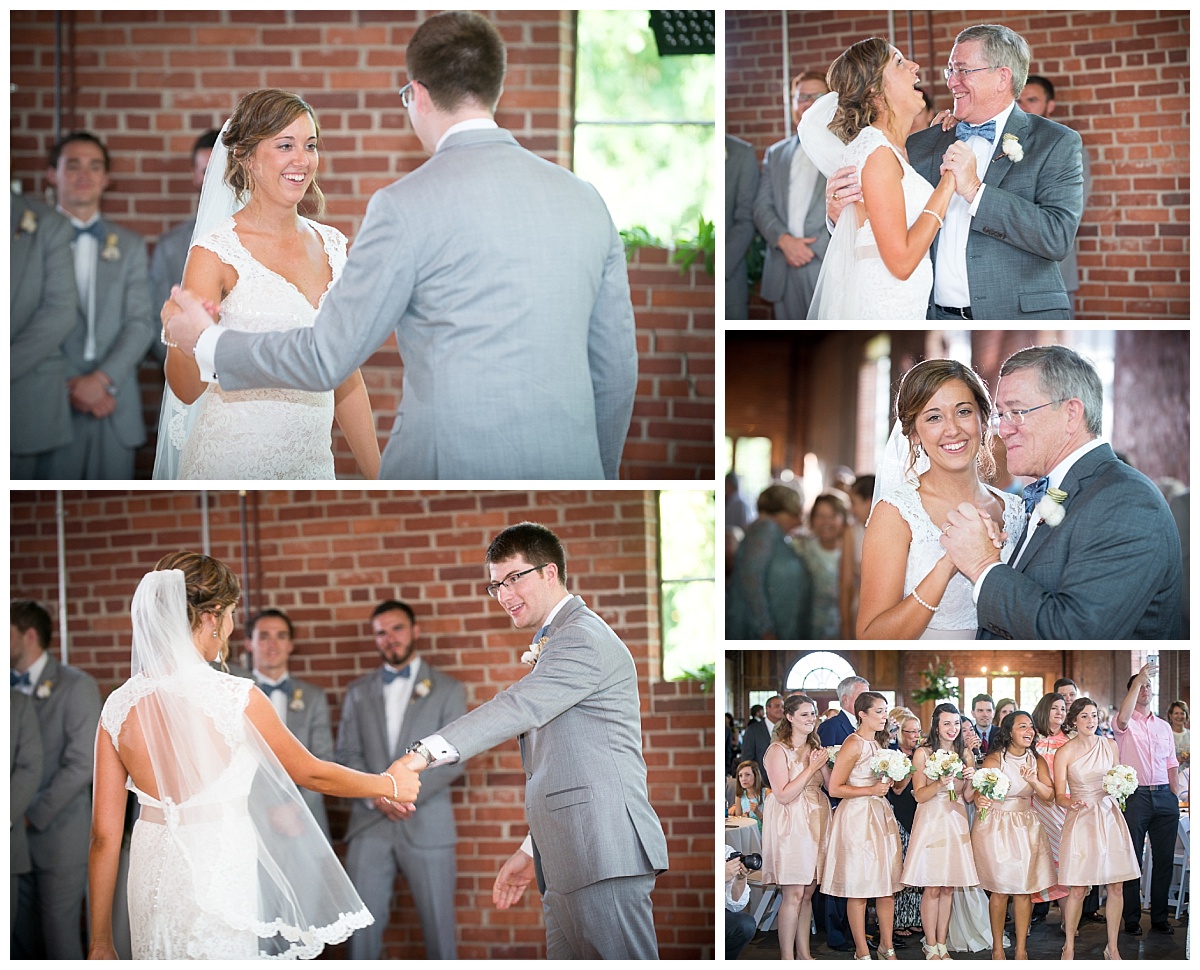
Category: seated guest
<point>750,792</point>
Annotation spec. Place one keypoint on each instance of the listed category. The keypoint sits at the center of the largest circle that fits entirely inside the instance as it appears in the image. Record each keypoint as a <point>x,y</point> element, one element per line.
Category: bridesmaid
<point>939,848</point>
<point>1012,852</point>
<point>1048,717</point>
<point>864,857</point>
<point>749,794</point>
<point>796,821</point>
<point>1096,848</point>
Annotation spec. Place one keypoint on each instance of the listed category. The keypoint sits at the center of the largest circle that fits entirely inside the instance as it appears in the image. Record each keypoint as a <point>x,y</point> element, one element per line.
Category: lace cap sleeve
<point>905,499</point>
<point>120,702</point>
<point>866,142</point>
<point>335,246</point>
<point>223,242</point>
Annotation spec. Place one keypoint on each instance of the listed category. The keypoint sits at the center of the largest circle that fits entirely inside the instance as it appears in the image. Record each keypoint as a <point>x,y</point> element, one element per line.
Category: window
<point>1032,689</point>
<point>644,124</point>
<point>821,670</point>
<point>751,459</point>
<point>688,583</point>
<point>971,687</point>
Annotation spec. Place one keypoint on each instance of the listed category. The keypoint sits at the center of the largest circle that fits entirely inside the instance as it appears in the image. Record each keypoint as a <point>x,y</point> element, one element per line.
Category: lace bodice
<point>262,433</point>
<point>957,608</point>
<point>917,189</point>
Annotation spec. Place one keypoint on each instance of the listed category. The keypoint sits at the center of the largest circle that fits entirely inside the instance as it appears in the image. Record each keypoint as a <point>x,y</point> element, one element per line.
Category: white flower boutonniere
<point>28,222</point>
<point>43,689</point>
<point>531,655</point>
<point>297,703</point>
<point>421,689</point>
<point>1050,507</point>
<point>111,253</point>
<point>1010,145</point>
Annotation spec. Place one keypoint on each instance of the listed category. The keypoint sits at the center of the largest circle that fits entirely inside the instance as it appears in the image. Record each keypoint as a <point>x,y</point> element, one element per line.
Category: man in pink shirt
<point>1145,743</point>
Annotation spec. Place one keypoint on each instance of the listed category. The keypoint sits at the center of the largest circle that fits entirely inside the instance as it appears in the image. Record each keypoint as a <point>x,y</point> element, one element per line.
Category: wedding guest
<point>739,925</point>
<point>405,698</point>
<point>24,777</point>
<point>822,553</point>
<point>1048,717</point>
<point>114,325</point>
<point>1012,852</point>
<point>1004,707</point>
<point>904,806</point>
<point>790,212</point>
<point>1105,728</point>
<point>850,581</point>
<point>43,306</point>
<point>1179,718</point>
<point>299,704</point>
<point>749,792</point>
<point>796,820</point>
<point>741,186</point>
<point>939,849</point>
<point>58,820</point>
<point>757,736</point>
<point>1068,689</point>
<point>1095,848</point>
<point>1145,744</point>
<point>770,594</point>
<point>982,707</point>
<point>864,828</point>
<point>738,510</point>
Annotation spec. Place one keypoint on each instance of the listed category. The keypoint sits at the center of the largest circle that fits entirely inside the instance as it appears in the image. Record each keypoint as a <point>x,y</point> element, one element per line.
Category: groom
<point>1111,568</point>
<point>1019,189</point>
<point>500,273</point>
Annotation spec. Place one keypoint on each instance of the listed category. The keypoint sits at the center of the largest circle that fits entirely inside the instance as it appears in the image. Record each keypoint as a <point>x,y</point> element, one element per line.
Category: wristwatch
<point>419,747</point>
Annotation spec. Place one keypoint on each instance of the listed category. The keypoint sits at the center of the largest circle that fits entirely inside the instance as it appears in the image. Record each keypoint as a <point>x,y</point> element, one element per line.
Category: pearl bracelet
<point>395,790</point>
<point>917,597</point>
<point>940,223</point>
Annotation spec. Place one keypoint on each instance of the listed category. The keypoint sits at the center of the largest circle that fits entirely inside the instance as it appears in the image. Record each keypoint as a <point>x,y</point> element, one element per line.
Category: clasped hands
<point>404,771</point>
<point>184,317</point>
<point>971,540</point>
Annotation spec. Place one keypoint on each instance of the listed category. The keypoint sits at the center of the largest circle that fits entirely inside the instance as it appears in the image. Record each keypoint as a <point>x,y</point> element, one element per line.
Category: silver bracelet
<point>395,790</point>
<point>917,597</point>
<point>940,226</point>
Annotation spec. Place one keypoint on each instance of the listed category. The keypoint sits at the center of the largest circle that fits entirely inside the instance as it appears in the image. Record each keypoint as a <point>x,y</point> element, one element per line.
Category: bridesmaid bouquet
<point>891,764</point>
<point>833,753</point>
<point>992,784</point>
<point>1120,781</point>
<point>942,764</point>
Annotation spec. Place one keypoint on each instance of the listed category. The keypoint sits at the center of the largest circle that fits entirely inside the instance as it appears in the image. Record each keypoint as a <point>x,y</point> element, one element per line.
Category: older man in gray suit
<point>502,276</point>
<point>595,844</point>
<point>42,305</point>
<point>741,187</point>
<point>59,819</point>
<point>382,712</point>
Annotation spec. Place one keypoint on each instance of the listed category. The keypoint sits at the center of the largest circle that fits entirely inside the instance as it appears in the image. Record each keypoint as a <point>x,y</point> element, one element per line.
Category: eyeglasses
<point>406,93</point>
<point>1016,417</point>
<point>493,589</point>
<point>961,73</point>
<point>809,98</point>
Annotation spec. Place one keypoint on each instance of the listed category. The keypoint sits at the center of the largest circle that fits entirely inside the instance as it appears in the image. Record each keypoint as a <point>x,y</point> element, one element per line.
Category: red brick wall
<point>326,558</point>
<point>149,82</point>
<point>1121,80</point>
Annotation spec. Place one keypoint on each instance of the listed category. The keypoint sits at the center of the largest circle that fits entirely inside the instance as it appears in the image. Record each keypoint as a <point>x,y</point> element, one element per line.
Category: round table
<point>743,835</point>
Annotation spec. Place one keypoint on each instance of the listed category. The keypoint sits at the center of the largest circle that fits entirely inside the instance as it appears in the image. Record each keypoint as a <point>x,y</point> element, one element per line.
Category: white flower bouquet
<point>1120,781</point>
<point>992,784</point>
<point>891,764</point>
<point>833,753</point>
<point>942,764</point>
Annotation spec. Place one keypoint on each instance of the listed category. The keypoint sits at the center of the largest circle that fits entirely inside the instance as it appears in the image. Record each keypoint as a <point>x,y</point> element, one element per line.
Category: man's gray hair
<point>847,685</point>
<point>1002,47</point>
<point>1063,374</point>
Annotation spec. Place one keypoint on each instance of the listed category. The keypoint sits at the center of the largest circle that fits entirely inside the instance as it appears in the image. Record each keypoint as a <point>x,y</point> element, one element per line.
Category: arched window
<point>821,670</point>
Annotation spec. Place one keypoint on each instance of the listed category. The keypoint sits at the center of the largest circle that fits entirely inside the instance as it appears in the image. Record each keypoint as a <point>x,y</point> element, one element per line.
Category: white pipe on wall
<point>60,517</point>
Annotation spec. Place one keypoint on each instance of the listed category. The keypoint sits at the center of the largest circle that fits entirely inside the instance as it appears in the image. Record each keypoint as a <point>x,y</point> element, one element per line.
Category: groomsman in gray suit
<point>58,820</point>
<point>299,704</point>
<point>382,711</point>
<point>24,779</point>
<point>114,325</point>
<point>741,186</point>
<point>595,844</point>
<point>485,261</point>
<point>790,213</point>
<point>43,303</point>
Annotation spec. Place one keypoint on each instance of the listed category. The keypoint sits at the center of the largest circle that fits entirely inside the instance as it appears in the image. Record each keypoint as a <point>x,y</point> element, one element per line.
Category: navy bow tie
<point>1034,493</point>
<point>284,685</point>
<point>18,680</point>
<point>389,675</point>
<point>92,230</point>
<point>541,633</point>
<point>987,130</point>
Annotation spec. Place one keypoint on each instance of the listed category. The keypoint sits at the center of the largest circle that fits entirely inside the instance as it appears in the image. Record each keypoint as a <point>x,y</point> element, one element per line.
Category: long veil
<point>247,869</point>
<point>894,467</point>
<point>176,419</point>
<point>834,296</point>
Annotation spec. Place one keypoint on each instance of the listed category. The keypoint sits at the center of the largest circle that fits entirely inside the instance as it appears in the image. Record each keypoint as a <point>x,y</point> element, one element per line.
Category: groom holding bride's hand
<point>1100,555</point>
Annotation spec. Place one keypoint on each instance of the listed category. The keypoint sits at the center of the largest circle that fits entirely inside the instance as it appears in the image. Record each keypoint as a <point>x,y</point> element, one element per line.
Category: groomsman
<point>741,186</point>
<point>58,820</point>
<point>24,778</point>
<point>983,709</point>
<point>299,704</point>
<point>382,711</point>
<point>114,326</point>
<point>757,737</point>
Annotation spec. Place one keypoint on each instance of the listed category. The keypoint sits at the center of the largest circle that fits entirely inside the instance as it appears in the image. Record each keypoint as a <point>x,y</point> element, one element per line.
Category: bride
<point>877,265</point>
<point>226,860</point>
<point>939,445</point>
<point>267,268</point>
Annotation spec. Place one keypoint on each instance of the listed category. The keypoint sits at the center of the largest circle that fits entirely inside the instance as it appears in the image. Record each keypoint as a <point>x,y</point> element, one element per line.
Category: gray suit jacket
<point>60,815</point>
<point>24,775</point>
<point>43,304</point>
<point>579,722</point>
<point>166,270</point>
<point>771,217</point>
<point>741,187</point>
<point>504,280</point>
<point>310,725</point>
<point>1111,570</point>
<point>755,741</point>
<point>1026,222</point>
<point>125,328</point>
<point>363,744</point>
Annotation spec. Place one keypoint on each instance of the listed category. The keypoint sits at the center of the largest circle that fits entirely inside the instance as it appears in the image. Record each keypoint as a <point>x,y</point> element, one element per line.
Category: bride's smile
<point>948,426</point>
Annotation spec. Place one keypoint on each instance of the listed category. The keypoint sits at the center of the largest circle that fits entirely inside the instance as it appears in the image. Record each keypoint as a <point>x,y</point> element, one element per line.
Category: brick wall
<point>326,558</point>
<point>1121,80</point>
<point>149,82</point>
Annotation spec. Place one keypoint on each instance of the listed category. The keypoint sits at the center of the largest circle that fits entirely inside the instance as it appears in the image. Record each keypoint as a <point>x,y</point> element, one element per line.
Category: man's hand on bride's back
<point>841,190</point>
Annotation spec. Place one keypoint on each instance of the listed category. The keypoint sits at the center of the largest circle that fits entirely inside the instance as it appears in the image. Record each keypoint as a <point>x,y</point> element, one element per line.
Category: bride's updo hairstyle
<point>863,703</point>
<point>258,116</point>
<point>857,77</point>
<point>211,585</point>
<point>922,382</point>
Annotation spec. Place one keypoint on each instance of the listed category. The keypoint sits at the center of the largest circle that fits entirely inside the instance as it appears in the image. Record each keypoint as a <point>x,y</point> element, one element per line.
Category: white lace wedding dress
<point>955,618</point>
<point>266,433</point>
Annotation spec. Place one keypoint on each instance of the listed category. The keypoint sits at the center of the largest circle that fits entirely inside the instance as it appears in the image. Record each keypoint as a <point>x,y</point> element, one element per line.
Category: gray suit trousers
<point>609,920</point>
<point>49,914</point>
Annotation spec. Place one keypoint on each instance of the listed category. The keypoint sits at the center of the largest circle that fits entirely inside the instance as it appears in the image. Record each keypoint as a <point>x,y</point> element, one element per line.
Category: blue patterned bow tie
<point>987,130</point>
<point>541,633</point>
<point>389,675</point>
<point>1034,493</point>
<point>92,230</point>
<point>18,680</point>
<point>284,685</point>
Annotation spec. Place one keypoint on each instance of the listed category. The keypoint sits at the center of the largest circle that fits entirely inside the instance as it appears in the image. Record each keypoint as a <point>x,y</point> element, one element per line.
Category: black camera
<point>751,860</point>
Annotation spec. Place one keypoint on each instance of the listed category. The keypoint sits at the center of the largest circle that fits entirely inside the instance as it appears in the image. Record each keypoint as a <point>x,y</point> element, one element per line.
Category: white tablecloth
<point>743,835</point>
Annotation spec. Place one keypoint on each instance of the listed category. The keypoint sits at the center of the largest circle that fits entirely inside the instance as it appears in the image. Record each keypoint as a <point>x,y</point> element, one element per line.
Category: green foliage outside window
<point>687,532</point>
